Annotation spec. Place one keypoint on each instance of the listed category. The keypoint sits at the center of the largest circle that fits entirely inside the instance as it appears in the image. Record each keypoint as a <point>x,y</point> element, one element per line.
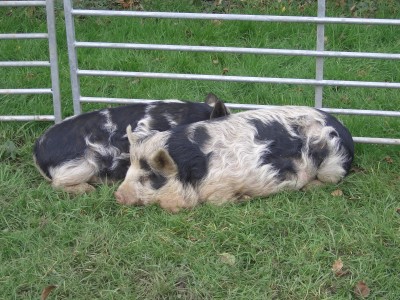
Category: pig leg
<point>312,184</point>
<point>73,176</point>
<point>76,189</point>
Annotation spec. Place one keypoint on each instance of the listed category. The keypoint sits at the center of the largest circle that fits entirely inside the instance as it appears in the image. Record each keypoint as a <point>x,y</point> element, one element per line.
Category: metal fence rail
<point>52,63</point>
<point>319,82</point>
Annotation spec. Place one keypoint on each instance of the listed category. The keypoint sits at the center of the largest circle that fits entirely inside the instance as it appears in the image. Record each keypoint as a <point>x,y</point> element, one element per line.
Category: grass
<point>283,246</point>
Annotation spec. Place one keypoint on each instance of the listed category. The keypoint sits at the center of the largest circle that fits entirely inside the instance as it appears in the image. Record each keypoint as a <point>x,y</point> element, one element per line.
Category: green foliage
<point>8,150</point>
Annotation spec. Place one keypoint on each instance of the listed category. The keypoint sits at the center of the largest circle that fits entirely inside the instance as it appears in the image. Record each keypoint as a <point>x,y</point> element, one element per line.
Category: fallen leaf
<point>129,4</point>
<point>361,290</point>
<point>398,210</point>
<point>337,269</point>
<point>125,3</point>
<point>337,193</point>
<point>227,258</point>
<point>388,159</point>
<point>193,239</point>
<point>224,71</point>
<point>215,61</point>
<point>46,291</point>
<point>216,22</point>
<point>337,266</point>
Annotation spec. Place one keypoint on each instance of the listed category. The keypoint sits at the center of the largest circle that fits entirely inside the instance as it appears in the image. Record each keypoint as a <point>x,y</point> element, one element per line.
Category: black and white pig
<point>248,154</point>
<point>93,147</point>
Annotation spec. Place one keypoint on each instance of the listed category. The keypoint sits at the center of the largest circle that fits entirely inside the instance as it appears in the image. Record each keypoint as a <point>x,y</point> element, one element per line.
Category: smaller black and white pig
<point>248,154</point>
<point>93,147</point>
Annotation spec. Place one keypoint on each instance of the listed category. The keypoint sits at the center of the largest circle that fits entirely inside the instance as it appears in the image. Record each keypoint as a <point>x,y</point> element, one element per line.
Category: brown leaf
<point>388,159</point>
<point>129,4</point>
<point>398,210</point>
<point>46,291</point>
<point>337,193</point>
<point>361,290</point>
<point>337,266</point>
<point>224,71</point>
<point>125,3</point>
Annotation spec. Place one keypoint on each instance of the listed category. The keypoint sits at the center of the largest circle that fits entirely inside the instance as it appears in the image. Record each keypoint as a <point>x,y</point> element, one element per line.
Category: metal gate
<point>52,63</point>
<point>319,82</point>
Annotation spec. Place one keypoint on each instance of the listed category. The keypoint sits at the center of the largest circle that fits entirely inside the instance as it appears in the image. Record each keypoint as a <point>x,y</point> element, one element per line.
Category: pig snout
<point>125,197</point>
<point>120,197</point>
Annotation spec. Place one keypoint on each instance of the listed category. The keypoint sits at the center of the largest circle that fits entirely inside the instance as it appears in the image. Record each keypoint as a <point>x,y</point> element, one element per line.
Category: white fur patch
<point>170,119</point>
<point>73,172</point>
<point>108,125</point>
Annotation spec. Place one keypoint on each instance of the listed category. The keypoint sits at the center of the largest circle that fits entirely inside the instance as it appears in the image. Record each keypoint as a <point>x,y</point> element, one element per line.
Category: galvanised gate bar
<point>319,54</point>
<point>319,82</point>
<point>52,63</point>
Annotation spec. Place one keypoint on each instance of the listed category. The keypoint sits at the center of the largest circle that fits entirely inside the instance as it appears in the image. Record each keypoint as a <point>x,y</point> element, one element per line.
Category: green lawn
<point>281,247</point>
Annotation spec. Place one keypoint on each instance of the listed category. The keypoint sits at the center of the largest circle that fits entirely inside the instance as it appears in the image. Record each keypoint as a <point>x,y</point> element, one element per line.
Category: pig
<point>93,147</point>
<point>237,157</point>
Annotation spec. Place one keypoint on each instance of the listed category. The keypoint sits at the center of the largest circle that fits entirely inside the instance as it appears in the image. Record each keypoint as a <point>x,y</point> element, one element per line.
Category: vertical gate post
<point>319,72</point>
<point>55,82</point>
<point>72,56</point>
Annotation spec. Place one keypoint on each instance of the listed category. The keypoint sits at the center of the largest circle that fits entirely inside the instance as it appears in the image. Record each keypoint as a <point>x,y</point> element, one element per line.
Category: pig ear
<point>131,136</point>
<point>211,99</point>
<point>163,163</point>
<point>219,110</point>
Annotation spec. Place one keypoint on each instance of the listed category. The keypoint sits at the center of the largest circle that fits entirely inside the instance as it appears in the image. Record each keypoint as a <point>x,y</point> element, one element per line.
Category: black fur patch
<point>192,163</point>
<point>282,148</point>
<point>346,139</point>
<point>318,153</point>
<point>201,135</point>
<point>144,165</point>
<point>181,113</point>
<point>119,172</point>
<point>157,181</point>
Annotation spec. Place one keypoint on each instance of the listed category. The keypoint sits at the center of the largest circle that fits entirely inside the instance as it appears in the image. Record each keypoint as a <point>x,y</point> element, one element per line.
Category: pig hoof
<point>311,185</point>
<point>77,189</point>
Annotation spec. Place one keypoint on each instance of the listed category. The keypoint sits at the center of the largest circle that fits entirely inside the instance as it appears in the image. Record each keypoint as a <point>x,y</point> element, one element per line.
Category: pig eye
<point>144,179</point>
